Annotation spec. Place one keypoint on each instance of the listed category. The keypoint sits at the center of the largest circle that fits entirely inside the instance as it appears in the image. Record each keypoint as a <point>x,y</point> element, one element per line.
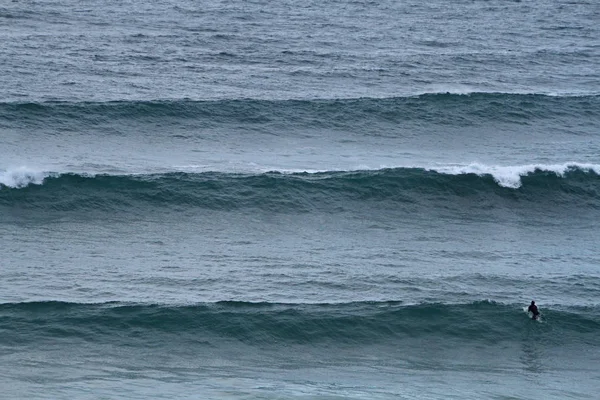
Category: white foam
<point>21,177</point>
<point>510,176</point>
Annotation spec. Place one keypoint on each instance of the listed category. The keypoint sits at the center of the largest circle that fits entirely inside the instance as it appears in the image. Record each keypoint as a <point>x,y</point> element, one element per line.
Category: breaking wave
<point>472,186</point>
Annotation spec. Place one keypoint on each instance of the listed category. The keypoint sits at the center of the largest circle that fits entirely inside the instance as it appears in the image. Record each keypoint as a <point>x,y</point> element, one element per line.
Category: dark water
<point>321,200</point>
<point>347,324</point>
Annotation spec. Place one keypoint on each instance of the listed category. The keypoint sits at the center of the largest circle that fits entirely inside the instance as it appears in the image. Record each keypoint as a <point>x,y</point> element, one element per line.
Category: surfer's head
<point>532,303</point>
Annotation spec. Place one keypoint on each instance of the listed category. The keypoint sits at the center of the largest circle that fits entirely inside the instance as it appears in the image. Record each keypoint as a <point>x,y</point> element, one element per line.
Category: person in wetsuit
<point>533,310</point>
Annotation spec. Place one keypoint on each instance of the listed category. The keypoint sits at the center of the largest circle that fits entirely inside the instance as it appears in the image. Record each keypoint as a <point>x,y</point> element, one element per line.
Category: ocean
<point>299,200</point>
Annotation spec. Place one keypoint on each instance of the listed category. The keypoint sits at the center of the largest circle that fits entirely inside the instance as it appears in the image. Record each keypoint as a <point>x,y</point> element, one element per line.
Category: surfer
<point>533,310</point>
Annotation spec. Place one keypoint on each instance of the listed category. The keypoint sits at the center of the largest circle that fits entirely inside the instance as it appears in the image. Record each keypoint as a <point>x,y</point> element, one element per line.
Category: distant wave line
<point>458,93</point>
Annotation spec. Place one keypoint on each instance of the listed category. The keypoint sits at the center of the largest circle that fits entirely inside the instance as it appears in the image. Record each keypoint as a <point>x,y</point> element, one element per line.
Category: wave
<point>261,323</point>
<point>22,177</point>
<point>447,109</point>
<point>570,185</point>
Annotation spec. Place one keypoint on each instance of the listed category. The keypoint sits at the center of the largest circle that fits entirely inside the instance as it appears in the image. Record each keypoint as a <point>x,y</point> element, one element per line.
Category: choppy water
<point>299,200</point>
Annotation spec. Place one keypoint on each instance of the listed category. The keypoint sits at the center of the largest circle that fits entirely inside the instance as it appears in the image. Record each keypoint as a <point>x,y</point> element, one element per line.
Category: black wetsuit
<point>534,310</point>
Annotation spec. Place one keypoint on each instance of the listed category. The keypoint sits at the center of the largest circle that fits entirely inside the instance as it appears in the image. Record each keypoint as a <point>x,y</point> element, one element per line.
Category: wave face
<point>474,187</point>
<point>484,322</point>
<point>444,109</point>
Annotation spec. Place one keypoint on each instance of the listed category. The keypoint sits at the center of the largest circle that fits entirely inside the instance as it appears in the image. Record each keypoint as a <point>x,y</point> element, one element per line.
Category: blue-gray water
<point>299,200</point>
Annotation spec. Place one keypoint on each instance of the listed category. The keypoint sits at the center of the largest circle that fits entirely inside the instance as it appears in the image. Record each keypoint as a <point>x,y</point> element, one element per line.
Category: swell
<point>265,323</point>
<point>476,187</point>
<point>349,114</point>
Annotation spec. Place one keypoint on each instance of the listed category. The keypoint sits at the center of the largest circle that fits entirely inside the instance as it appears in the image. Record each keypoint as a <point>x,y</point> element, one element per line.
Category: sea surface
<point>299,199</point>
